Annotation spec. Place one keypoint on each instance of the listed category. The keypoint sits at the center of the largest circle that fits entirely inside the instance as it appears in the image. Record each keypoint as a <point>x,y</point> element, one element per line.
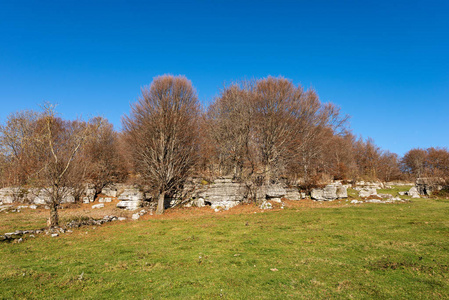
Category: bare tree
<point>101,157</point>
<point>229,128</point>
<point>414,162</point>
<point>44,148</point>
<point>162,130</point>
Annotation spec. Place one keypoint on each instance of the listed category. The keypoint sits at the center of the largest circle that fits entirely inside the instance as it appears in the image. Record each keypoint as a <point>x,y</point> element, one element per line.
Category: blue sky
<point>385,63</point>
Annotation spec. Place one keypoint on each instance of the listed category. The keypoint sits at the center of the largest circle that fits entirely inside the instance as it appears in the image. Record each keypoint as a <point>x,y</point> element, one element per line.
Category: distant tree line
<point>260,132</point>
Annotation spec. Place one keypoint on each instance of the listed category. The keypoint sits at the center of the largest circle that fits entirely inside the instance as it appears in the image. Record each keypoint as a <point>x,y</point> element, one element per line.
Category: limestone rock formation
<point>427,186</point>
<point>329,192</point>
<point>223,193</point>
<point>130,199</point>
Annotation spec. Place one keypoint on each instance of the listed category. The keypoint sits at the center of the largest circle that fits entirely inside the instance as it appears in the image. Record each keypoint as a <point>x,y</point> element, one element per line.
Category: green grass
<point>386,251</point>
<point>395,191</point>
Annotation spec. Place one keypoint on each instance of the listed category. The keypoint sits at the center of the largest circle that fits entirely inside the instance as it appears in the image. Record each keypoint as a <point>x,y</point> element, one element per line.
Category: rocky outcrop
<point>427,186</point>
<point>329,193</point>
<point>109,191</point>
<point>294,194</point>
<point>8,195</point>
<point>130,199</point>
<point>222,193</point>
<point>36,196</point>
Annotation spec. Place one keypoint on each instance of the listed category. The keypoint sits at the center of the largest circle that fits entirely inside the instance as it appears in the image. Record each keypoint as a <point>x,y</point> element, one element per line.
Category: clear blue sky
<point>385,63</point>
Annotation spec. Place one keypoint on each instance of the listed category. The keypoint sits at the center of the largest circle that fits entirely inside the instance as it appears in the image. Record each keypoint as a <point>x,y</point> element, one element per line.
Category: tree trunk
<point>54,218</point>
<point>160,203</point>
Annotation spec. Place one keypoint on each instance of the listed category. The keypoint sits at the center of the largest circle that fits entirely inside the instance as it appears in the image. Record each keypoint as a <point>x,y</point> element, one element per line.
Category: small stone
<point>121,218</point>
<point>100,205</point>
<point>54,235</point>
<point>136,216</point>
<point>274,270</point>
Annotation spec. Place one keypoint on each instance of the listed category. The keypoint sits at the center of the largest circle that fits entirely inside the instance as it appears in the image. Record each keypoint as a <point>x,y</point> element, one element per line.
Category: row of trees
<point>259,131</point>
<point>39,150</point>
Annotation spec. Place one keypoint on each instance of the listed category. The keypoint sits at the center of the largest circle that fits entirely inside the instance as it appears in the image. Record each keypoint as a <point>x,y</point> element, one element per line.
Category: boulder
<point>7,195</point>
<point>342,191</point>
<point>200,202</point>
<point>413,192</point>
<point>329,192</point>
<point>367,191</point>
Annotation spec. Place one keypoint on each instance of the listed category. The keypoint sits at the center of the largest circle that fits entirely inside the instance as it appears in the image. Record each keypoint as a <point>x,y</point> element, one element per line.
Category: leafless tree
<point>162,130</point>
<point>414,162</point>
<point>229,121</point>
<point>101,157</point>
<point>44,149</point>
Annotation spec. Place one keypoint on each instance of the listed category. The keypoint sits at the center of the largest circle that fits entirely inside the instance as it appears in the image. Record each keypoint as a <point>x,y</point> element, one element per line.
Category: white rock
<point>54,235</point>
<point>121,218</point>
<point>101,205</point>
<point>136,216</point>
<point>367,191</point>
<point>413,192</point>
<point>33,206</point>
<point>329,192</point>
<point>200,202</point>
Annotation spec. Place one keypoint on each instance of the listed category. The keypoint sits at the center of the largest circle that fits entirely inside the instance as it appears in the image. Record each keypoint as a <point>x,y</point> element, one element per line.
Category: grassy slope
<point>363,251</point>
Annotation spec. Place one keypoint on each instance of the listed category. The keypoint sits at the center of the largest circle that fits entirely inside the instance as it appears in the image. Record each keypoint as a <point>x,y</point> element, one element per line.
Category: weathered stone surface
<point>367,191</point>
<point>413,192</point>
<point>427,186</point>
<point>7,195</point>
<point>293,194</point>
<point>342,192</point>
<point>109,191</point>
<point>100,205</point>
<point>275,191</point>
<point>222,193</point>
<point>329,192</point>
<point>130,199</point>
<point>200,202</point>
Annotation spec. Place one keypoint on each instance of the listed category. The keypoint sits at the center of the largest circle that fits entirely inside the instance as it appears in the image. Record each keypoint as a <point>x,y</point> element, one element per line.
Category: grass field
<point>307,250</point>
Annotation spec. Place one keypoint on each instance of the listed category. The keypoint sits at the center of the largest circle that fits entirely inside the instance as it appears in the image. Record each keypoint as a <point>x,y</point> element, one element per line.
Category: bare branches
<point>162,130</point>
